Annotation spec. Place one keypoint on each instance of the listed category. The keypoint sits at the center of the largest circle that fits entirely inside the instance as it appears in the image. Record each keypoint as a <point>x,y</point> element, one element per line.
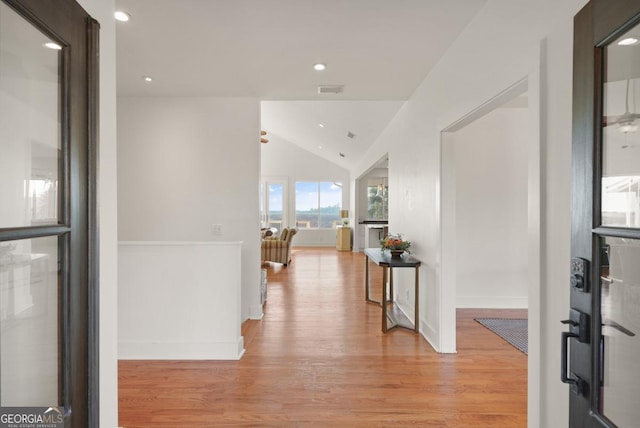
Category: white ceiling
<point>379,49</point>
<point>299,122</point>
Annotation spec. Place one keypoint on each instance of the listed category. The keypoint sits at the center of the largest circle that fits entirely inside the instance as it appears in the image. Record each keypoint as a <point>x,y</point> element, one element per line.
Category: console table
<point>391,316</point>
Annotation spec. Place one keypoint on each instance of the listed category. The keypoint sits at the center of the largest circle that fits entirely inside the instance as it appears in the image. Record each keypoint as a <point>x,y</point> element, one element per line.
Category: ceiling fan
<point>627,121</point>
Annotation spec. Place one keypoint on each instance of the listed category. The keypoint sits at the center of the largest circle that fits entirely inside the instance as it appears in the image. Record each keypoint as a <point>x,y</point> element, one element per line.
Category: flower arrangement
<point>395,243</point>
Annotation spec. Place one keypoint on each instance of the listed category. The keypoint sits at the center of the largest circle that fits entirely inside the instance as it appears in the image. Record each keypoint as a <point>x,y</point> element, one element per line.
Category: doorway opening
<point>371,205</point>
<point>489,211</point>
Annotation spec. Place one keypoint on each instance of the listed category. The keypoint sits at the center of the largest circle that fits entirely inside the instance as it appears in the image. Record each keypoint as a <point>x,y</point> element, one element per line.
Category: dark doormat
<point>513,331</point>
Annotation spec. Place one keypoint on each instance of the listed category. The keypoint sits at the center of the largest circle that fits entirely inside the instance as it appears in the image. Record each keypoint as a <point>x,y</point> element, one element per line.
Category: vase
<point>396,254</point>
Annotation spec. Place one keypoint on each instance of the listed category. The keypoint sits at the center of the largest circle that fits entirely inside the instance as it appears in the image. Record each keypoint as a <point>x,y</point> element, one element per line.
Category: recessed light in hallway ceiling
<point>319,66</point>
<point>629,41</point>
<point>121,16</point>
<point>52,45</point>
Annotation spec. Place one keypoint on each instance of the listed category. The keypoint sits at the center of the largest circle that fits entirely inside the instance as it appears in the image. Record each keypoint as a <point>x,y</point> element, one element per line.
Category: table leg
<point>366,278</point>
<point>416,316</point>
<point>384,300</point>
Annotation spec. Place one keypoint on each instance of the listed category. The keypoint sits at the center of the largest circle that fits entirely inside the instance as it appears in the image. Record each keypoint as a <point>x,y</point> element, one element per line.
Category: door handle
<point>578,385</point>
<point>564,377</point>
<point>610,323</point>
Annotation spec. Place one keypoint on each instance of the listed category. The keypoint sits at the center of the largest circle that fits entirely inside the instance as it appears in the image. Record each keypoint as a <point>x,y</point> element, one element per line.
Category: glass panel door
<point>30,143</point>
<point>599,350</point>
<point>620,195</point>
<point>619,257</point>
<point>29,313</point>
<point>30,102</point>
<point>48,239</point>
<point>620,343</point>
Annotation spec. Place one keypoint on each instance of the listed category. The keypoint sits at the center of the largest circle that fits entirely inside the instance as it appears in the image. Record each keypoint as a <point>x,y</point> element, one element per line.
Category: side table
<point>343,238</point>
<point>391,316</point>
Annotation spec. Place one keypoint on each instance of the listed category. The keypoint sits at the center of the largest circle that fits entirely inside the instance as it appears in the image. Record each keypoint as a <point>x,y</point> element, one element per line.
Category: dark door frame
<point>66,22</point>
<point>597,24</point>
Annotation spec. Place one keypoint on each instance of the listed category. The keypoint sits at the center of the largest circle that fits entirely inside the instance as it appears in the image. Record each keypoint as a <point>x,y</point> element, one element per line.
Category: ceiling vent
<point>330,89</point>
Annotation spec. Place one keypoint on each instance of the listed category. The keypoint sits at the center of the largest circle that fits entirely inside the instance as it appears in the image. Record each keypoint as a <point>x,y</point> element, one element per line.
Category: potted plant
<point>395,244</point>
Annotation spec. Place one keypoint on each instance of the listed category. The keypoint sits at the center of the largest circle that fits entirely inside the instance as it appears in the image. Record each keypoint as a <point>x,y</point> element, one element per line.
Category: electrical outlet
<point>216,229</point>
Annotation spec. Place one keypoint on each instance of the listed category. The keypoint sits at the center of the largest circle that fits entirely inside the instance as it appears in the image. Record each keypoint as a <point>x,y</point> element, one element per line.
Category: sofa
<point>277,249</point>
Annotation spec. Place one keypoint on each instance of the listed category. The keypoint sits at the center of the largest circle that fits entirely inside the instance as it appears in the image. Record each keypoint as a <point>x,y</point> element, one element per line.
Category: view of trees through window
<point>318,204</point>
<point>378,202</point>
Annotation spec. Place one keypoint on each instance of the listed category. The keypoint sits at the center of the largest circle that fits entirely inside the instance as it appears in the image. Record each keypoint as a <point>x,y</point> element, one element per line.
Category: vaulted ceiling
<point>380,50</point>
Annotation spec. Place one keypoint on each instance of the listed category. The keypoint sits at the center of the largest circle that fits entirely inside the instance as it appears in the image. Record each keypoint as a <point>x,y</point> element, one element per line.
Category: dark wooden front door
<point>48,248</point>
<point>602,344</point>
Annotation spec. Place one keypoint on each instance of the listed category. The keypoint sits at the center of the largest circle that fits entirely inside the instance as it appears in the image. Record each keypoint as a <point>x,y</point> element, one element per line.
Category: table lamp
<point>344,215</point>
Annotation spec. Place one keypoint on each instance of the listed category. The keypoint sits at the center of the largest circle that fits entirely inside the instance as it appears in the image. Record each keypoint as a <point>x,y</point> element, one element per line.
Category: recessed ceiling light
<point>321,125</point>
<point>122,16</point>
<point>629,41</point>
<point>147,78</point>
<point>319,67</point>
<point>52,45</point>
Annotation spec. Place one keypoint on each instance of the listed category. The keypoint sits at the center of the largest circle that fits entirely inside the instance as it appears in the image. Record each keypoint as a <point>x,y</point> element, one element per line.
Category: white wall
<point>556,224</point>
<point>170,307</point>
<point>284,159</point>
<point>185,164</point>
<point>500,47</point>
<point>490,158</point>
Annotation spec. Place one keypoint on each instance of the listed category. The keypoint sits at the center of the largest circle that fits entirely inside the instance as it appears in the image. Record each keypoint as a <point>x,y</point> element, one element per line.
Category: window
<point>378,200</point>
<point>318,204</point>
<point>272,204</point>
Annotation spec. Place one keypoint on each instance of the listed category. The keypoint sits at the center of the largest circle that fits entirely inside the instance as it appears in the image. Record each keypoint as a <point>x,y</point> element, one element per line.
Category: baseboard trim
<point>181,351</point>
<point>255,312</point>
<point>492,302</point>
<point>430,334</point>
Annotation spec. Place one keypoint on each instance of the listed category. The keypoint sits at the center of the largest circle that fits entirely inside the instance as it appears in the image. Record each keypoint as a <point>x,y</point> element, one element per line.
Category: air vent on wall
<point>330,89</point>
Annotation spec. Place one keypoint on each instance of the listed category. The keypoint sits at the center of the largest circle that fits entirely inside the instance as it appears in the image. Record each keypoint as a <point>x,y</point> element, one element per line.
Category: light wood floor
<point>319,358</point>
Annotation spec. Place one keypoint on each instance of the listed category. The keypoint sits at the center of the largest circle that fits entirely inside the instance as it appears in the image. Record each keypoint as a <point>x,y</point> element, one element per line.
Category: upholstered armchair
<point>278,249</point>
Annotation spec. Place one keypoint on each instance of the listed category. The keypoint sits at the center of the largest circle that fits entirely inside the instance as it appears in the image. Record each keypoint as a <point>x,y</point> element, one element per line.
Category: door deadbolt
<point>580,274</point>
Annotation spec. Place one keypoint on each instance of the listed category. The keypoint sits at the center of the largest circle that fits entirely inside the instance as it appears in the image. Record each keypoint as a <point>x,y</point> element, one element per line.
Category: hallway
<point>319,358</point>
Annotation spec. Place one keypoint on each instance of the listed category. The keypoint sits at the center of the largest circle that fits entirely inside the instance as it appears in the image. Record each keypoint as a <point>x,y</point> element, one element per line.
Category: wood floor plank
<point>318,358</point>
